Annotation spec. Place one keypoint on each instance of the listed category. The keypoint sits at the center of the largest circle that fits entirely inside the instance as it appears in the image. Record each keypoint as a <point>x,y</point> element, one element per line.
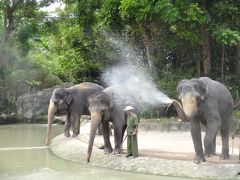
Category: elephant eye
<point>55,103</point>
<point>198,99</point>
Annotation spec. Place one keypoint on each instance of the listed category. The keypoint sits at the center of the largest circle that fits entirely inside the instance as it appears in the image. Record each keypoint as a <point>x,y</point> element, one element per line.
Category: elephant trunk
<point>181,114</point>
<point>51,112</point>
<point>95,121</point>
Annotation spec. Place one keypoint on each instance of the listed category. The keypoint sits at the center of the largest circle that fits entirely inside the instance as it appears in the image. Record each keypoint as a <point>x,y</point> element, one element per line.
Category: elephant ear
<point>180,87</point>
<point>111,104</point>
<point>202,89</point>
<point>68,98</point>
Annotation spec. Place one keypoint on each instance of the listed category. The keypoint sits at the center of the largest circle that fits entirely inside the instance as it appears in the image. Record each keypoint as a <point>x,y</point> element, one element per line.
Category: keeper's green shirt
<point>132,122</point>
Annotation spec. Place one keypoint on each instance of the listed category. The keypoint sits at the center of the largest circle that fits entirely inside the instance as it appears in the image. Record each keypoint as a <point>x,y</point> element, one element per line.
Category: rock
<point>166,126</point>
<point>32,106</point>
<point>9,118</point>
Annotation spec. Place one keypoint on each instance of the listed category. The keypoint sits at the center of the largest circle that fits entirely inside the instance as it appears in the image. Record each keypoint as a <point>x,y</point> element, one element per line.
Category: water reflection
<point>18,161</point>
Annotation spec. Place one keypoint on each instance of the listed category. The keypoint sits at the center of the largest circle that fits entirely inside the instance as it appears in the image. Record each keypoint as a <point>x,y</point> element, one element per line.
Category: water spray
<point>131,75</point>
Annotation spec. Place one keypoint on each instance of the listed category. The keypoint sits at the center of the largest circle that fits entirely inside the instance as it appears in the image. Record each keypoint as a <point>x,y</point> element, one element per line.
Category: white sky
<point>52,7</point>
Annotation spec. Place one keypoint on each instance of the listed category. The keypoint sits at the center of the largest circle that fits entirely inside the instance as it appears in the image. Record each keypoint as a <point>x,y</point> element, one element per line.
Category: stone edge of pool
<point>75,149</point>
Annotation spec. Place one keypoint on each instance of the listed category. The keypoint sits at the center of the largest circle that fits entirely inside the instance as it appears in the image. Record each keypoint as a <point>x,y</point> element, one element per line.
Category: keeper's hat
<point>128,108</point>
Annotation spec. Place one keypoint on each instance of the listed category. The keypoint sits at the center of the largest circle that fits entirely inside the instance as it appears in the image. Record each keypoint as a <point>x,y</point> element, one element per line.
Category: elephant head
<point>191,93</point>
<point>100,106</point>
<point>59,104</point>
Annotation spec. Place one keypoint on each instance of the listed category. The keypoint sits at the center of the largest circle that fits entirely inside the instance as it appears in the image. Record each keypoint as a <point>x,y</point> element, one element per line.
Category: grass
<point>237,114</point>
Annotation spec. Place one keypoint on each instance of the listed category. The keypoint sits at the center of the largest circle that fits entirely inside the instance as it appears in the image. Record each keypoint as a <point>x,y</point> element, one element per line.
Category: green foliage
<point>226,11</point>
<point>20,75</point>
<point>232,82</point>
<point>190,19</point>
<point>237,114</point>
<point>226,36</point>
<point>168,81</point>
<point>33,84</point>
<point>43,50</point>
<point>148,11</point>
<point>66,51</point>
<point>25,74</point>
<point>109,16</point>
<point>86,14</point>
<point>166,10</point>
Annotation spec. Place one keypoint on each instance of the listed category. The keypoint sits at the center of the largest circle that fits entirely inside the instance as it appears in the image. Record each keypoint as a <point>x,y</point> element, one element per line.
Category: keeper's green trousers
<point>132,145</point>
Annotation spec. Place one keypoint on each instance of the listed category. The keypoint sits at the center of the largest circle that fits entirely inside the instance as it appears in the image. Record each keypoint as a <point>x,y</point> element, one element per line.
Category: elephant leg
<point>75,125</point>
<point>225,128</point>
<point>100,129</point>
<point>210,138</point>
<point>197,141</point>
<point>107,144</point>
<point>118,138</point>
<point>67,125</point>
<point>119,128</point>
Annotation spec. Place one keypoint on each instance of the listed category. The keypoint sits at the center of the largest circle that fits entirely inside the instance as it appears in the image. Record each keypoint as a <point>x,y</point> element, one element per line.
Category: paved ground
<point>162,153</point>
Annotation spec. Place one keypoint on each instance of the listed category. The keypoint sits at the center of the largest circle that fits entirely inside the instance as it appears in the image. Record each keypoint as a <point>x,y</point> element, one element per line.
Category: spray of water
<point>130,76</point>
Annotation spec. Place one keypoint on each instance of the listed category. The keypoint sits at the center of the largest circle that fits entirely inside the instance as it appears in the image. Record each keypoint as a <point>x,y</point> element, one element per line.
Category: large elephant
<point>108,106</point>
<point>208,102</point>
<point>73,102</point>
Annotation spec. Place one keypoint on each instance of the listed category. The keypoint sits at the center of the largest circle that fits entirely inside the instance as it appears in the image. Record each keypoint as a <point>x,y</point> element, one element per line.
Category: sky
<point>51,9</point>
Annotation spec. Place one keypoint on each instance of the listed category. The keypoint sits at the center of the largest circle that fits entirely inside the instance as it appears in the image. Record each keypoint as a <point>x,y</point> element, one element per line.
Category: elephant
<point>72,102</point>
<point>108,106</point>
<point>207,102</point>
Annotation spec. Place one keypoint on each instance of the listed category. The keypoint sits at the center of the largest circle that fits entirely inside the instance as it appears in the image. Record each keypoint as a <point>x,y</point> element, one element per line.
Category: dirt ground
<point>174,145</point>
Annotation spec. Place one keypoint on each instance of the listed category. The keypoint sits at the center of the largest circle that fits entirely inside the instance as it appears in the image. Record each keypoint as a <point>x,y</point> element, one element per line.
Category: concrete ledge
<point>75,149</point>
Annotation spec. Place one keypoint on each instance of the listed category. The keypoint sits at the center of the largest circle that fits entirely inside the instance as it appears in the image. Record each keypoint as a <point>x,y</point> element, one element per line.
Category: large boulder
<point>35,105</point>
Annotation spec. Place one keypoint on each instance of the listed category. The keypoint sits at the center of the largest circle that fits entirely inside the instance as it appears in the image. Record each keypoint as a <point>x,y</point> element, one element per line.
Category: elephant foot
<point>198,159</point>
<point>74,135</point>
<point>224,156</point>
<point>117,151</point>
<point>108,150</point>
<point>208,155</point>
<point>67,134</point>
<point>101,147</point>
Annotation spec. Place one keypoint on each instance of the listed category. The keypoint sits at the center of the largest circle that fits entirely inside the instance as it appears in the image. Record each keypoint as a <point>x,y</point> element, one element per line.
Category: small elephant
<point>208,102</point>
<point>108,106</point>
<point>72,102</point>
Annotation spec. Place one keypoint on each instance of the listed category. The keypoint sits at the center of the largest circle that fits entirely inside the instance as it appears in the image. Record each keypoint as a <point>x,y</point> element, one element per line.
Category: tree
<point>19,22</point>
<point>17,12</point>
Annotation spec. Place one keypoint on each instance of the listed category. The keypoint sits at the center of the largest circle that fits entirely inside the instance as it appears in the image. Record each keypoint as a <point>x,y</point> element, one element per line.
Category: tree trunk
<point>8,23</point>
<point>206,57</point>
<point>238,59</point>
<point>222,63</point>
<point>149,47</point>
<point>198,61</point>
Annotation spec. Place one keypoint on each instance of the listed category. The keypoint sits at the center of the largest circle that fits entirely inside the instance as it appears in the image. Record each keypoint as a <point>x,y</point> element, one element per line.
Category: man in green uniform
<point>132,125</point>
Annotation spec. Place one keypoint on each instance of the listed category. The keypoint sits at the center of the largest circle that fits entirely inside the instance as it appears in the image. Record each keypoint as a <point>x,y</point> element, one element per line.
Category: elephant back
<point>121,99</point>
